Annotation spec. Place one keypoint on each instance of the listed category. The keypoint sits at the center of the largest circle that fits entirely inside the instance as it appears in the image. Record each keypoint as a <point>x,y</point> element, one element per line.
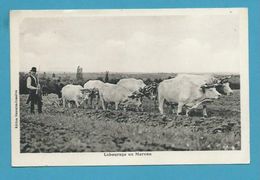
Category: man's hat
<point>33,69</point>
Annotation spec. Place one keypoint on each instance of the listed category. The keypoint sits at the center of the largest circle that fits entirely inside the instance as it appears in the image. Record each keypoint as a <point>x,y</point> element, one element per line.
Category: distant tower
<point>79,75</point>
<point>106,76</point>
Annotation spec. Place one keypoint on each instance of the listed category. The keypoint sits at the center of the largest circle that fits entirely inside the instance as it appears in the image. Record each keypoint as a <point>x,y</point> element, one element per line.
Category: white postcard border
<point>155,158</point>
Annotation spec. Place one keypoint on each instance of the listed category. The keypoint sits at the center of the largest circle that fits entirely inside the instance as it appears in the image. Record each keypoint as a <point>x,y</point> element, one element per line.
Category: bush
<point>114,81</point>
<point>234,85</point>
<point>100,78</point>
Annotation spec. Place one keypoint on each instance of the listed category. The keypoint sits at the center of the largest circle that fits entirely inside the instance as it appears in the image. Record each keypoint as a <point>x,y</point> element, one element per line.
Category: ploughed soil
<point>88,130</point>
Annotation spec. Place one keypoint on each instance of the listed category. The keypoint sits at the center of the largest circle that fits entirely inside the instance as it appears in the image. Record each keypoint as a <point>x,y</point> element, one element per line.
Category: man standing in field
<point>33,86</point>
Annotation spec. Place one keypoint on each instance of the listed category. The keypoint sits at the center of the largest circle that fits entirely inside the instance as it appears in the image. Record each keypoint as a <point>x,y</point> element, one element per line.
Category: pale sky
<point>175,43</point>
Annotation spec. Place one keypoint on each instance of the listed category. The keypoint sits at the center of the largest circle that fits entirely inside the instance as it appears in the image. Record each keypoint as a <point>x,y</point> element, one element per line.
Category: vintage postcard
<point>129,87</point>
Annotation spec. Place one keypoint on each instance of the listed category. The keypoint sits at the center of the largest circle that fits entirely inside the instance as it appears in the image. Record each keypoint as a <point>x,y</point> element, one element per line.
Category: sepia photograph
<point>129,87</point>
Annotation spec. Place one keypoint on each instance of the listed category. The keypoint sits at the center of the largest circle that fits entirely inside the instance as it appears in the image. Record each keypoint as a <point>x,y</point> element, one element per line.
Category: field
<point>88,130</point>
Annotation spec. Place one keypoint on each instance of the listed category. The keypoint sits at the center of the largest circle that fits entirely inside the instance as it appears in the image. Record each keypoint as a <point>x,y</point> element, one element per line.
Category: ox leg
<point>116,105</point>
<point>188,111</point>
<point>154,102</point>
<point>161,101</point>
<point>179,111</point>
<point>141,105</point>
<point>77,103</point>
<point>97,102</point>
<point>125,107</point>
<point>103,104</point>
<point>69,105</point>
<point>59,101</point>
<point>91,102</point>
<point>204,110</point>
<point>64,102</point>
<point>140,108</point>
<point>87,103</point>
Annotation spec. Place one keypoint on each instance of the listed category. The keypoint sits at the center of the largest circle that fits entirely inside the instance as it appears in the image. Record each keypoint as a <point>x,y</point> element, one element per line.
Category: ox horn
<point>133,96</point>
<point>206,86</point>
<point>225,79</point>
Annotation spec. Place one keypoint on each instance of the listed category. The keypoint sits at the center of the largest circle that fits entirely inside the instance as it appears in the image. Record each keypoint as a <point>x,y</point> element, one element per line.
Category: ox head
<point>209,91</point>
<point>150,90</point>
<point>94,92</point>
<point>85,94</point>
<point>223,86</point>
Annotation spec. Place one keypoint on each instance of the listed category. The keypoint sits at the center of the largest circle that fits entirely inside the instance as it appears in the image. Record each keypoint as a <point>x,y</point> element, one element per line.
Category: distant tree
<point>22,83</point>
<point>44,75</point>
<point>48,80</point>
<point>106,76</point>
<point>66,77</point>
<point>158,80</point>
<point>53,75</point>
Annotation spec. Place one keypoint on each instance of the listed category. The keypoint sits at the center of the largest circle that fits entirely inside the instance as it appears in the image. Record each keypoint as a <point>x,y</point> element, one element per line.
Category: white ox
<point>118,95</point>
<point>91,84</point>
<point>74,93</point>
<point>131,84</point>
<point>188,90</point>
<point>96,85</point>
<point>138,87</point>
